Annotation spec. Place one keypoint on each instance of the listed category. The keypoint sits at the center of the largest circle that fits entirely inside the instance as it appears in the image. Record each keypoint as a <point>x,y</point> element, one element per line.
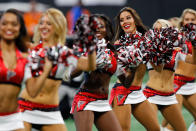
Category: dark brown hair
<point>22,39</point>
<point>109,30</point>
<point>138,22</point>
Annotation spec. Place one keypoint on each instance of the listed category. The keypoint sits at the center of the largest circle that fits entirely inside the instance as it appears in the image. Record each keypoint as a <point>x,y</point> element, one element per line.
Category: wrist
<point>91,49</point>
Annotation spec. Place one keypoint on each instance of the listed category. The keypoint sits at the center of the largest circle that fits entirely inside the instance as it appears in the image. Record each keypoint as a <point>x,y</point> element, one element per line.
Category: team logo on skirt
<point>120,97</point>
<point>175,86</point>
<point>80,103</point>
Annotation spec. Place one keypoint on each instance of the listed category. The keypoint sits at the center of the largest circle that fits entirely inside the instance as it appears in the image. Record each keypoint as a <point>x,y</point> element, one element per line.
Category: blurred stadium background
<point>149,10</point>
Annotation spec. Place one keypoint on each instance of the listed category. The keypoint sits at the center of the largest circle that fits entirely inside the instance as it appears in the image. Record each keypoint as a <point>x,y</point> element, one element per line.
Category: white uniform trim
<point>11,122</point>
<point>135,97</point>
<point>163,100</point>
<point>187,89</point>
<point>41,117</point>
<point>98,105</point>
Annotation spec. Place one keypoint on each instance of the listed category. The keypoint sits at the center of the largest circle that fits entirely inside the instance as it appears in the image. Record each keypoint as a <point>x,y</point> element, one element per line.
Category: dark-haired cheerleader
<point>91,103</point>
<point>127,100</point>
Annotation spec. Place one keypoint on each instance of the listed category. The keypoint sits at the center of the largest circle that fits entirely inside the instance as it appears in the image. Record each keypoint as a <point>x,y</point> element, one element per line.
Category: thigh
<point>123,114</point>
<point>173,115</point>
<point>146,115</point>
<point>54,127</point>
<point>84,120</point>
<point>27,126</point>
<point>107,121</point>
<point>179,99</point>
<point>190,104</point>
<point>155,108</point>
<point>191,100</point>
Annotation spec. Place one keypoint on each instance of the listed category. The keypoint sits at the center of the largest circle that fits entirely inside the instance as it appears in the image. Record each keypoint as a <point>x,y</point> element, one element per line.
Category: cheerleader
<point>42,112</point>
<point>91,103</point>
<point>184,79</point>
<point>127,100</point>
<point>159,89</point>
<point>14,69</point>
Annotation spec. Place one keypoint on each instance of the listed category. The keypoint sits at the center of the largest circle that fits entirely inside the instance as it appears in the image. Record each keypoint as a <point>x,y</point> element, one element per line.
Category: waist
<point>43,97</point>
<point>183,78</point>
<point>161,93</point>
<point>11,83</point>
<point>120,86</point>
<point>87,93</point>
<point>28,105</point>
<point>8,113</point>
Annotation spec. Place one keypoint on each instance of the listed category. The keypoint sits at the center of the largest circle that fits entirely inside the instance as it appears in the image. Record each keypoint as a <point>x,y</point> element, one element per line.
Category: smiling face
<point>9,26</point>
<point>46,28</point>
<point>127,22</point>
<point>101,31</point>
<point>189,18</point>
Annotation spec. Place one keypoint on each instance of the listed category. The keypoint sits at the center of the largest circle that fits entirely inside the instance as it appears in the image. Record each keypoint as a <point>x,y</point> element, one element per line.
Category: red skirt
<point>82,98</point>
<point>180,80</point>
<point>28,105</point>
<point>121,93</point>
<point>149,92</point>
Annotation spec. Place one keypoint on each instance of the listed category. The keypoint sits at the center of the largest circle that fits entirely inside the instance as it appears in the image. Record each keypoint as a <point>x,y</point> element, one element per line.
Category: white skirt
<point>163,100</point>
<point>187,89</point>
<point>135,97</point>
<point>11,122</point>
<point>42,117</point>
<point>98,106</point>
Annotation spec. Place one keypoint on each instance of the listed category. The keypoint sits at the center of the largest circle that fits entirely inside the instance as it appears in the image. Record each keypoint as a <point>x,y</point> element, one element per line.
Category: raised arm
<point>87,63</point>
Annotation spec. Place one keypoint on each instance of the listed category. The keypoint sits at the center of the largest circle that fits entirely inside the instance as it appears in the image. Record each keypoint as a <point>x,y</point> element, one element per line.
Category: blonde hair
<point>163,23</point>
<point>188,10</point>
<point>174,21</point>
<point>60,24</point>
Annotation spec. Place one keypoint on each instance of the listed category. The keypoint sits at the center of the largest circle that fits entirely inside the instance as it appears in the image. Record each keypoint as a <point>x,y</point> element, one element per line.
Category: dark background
<point>149,10</point>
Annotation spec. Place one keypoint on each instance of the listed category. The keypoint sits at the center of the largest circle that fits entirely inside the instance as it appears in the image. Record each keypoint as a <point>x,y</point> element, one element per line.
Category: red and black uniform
<point>181,80</point>
<point>164,98</point>
<point>13,76</point>
<point>16,76</point>
<point>94,80</point>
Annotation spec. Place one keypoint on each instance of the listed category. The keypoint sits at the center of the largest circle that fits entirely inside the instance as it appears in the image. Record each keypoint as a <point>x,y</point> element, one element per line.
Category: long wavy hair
<point>191,11</point>
<point>59,22</point>
<point>22,40</point>
<point>140,27</point>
